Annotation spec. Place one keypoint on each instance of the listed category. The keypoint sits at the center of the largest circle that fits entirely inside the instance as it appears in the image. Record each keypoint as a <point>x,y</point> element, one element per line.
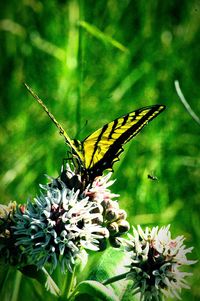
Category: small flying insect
<point>152,177</point>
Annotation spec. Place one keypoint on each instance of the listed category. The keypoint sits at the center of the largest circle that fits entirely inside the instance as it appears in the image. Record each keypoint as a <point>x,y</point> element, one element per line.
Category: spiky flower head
<point>98,191</point>
<point>58,226</point>
<point>156,261</point>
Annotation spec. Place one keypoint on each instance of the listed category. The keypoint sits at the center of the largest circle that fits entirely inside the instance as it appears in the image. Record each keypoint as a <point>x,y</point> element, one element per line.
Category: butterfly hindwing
<point>102,148</point>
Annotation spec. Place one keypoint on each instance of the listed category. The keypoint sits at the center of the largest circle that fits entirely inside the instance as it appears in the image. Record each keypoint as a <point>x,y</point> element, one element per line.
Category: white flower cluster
<point>57,226</point>
<point>99,191</point>
<point>155,262</point>
<point>114,217</point>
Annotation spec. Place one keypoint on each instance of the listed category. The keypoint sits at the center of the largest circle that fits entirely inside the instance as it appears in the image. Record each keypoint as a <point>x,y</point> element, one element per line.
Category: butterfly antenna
<point>62,131</point>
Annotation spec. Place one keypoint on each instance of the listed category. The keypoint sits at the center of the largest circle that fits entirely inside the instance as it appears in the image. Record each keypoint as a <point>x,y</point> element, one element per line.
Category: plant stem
<point>185,103</point>
<point>79,69</point>
<point>70,284</point>
<point>114,279</point>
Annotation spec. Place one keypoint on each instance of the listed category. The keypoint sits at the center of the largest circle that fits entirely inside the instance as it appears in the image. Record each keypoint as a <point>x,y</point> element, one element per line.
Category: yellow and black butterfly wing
<point>102,148</point>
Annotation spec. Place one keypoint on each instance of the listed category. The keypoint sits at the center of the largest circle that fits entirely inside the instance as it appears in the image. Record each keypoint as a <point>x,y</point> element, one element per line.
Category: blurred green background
<point>92,61</point>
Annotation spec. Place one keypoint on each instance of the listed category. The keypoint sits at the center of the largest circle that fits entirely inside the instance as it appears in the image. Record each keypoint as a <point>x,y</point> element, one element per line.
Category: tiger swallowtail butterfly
<point>101,149</point>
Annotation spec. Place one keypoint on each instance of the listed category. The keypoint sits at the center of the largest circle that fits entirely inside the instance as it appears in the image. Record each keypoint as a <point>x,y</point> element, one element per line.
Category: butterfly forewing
<point>102,148</point>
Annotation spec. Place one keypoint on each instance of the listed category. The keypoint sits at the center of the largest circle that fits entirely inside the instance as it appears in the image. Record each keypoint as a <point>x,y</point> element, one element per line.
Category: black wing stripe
<point>115,123</point>
<point>125,119</point>
<point>104,128</point>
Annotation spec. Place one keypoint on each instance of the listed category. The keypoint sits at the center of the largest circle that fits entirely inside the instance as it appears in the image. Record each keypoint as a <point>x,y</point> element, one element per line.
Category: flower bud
<point>113,228</point>
<point>123,226</point>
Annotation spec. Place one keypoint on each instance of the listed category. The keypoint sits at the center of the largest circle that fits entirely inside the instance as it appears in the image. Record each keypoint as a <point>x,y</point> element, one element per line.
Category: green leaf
<point>111,263</point>
<point>93,30</point>
<point>43,277</point>
<point>96,290</point>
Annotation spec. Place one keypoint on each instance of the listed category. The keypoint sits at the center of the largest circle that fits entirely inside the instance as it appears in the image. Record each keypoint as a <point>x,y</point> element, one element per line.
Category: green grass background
<point>92,61</point>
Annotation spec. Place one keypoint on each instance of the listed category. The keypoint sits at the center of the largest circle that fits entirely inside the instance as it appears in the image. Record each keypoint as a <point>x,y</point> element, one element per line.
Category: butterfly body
<point>101,149</point>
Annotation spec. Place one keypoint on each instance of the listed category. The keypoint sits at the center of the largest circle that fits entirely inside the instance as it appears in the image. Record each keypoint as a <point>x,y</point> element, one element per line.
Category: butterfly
<point>101,149</point>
